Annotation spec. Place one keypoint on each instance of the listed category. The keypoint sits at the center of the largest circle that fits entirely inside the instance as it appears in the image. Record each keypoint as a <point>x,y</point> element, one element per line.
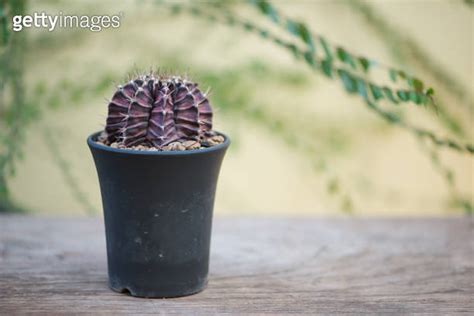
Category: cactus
<point>157,111</point>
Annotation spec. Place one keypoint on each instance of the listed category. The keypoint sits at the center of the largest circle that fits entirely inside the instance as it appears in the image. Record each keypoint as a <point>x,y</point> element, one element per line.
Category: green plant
<point>64,165</point>
<point>229,85</point>
<point>407,51</point>
<point>335,62</point>
<point>157,111</point>
<point>18,109</point>
<point>15,111</point>
<point>371,93</point>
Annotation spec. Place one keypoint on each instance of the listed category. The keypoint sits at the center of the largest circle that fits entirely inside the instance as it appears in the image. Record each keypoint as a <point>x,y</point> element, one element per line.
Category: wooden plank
<point>258,266</point>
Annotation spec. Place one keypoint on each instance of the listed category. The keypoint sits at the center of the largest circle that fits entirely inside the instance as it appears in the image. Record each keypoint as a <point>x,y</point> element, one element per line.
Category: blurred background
<point>301,144</point>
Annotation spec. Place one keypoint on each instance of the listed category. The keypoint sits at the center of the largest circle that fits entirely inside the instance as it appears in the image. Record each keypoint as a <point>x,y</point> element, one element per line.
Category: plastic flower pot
<point>158,208</point>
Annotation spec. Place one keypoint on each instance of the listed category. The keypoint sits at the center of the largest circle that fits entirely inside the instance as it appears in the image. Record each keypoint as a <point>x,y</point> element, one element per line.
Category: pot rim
<point>91,141</point>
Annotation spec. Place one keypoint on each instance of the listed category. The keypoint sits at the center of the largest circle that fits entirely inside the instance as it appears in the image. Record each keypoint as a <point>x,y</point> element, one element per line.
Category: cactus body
<point>157,111</point>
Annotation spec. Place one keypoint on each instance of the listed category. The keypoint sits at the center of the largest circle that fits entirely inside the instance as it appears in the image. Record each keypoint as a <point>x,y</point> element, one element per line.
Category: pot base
<point>160,294</point>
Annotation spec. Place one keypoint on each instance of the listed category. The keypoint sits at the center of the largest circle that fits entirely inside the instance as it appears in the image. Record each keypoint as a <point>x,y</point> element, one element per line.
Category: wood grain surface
<point>258,266</point>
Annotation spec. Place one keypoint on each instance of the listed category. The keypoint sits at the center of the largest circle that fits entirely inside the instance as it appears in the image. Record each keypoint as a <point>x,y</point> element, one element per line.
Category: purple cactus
<point>157,111</point>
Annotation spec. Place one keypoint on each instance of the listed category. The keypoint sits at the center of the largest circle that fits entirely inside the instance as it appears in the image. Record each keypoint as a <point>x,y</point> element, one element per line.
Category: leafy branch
<point>448,176</point>
<point>68,176</point>
<point>405,49</point>
<point>369,91</point>
<point>299,30</point>
<point>242,104</point>
<point>15,111</point>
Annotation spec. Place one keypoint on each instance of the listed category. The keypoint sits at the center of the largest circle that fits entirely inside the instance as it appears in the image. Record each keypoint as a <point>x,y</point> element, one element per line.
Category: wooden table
<point>258,266</point>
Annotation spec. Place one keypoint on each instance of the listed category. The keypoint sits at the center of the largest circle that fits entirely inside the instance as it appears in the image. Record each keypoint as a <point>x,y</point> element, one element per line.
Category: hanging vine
<point>415,93</point>
<point>404,48</point>
<point>15,111</point>
<point>353,83</point>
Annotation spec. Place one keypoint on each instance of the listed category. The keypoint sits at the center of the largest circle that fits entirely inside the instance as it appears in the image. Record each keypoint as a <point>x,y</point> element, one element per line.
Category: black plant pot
<point>158,215</point>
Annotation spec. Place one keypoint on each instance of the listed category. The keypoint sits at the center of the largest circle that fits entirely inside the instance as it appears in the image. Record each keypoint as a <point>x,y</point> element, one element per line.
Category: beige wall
<point>381,168</point>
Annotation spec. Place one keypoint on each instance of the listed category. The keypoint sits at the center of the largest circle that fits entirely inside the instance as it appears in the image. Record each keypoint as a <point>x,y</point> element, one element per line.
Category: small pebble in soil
<point>191,144</point>
<point>174,146</point>
<point>102,138</point>
<point>217,139</point>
